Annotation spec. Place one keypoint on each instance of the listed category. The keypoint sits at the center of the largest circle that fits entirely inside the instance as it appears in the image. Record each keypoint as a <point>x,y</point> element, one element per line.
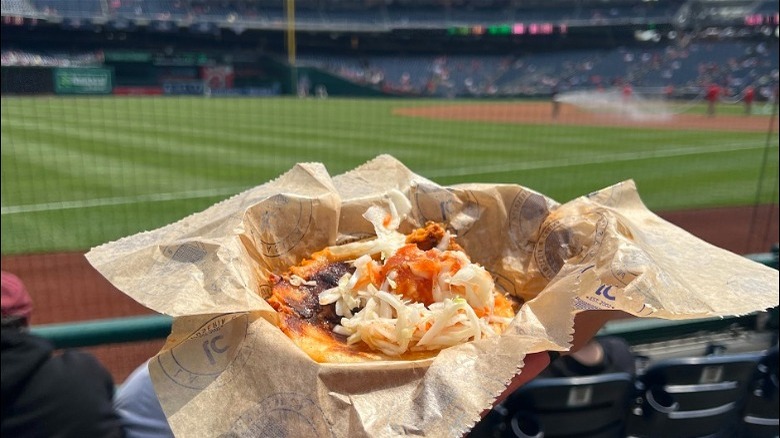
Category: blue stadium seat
<point>588,406</point>
<point>692,397</point>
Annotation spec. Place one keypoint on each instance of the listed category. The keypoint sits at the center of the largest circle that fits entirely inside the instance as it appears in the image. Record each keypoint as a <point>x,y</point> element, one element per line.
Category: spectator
<point>712,96</point>
<point>47,395</point>
<point>555,99</point>
<point>748,96</point>
<point>600,355</point>
<point>139,408</point>
<point>303,85</point>
<point>669,92</point>
<point>628,91</point>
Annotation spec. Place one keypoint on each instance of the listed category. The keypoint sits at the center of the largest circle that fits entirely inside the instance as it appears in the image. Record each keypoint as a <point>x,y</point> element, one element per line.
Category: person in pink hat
<point>17,305</point>
<point>46,394</point>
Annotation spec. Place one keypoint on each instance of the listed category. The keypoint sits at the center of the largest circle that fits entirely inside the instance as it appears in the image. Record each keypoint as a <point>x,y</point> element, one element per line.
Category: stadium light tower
<point>291,45</point>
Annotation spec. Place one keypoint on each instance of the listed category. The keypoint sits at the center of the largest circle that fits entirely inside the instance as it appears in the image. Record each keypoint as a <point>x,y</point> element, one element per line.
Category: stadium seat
<point>588,406</point>
<point>494,425</point>
<point>760,417</point>
<point>692,397</point>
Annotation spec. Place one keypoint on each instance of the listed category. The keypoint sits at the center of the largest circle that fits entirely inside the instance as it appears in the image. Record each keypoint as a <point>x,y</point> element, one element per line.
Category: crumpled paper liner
<point>227,370</point>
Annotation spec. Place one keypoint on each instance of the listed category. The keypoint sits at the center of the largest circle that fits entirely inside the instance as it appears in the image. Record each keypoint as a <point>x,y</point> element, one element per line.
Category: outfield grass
<point>77,172</point>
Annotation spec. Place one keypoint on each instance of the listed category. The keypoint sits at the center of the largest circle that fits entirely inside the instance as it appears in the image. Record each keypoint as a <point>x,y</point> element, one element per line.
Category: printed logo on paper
<point>283,415</point>
<point>199,360</point>
<point>441,205</point>
<point>558,243</point>
<point>553,248</point>
<point>526,215</point>
<point>283,223</point>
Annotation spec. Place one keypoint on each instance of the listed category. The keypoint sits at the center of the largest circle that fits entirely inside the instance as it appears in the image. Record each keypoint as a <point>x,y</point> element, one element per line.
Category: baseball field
<point>81,171</point>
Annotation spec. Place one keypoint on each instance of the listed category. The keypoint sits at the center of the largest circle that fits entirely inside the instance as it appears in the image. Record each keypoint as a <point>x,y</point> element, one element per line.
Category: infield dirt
<point>541,113</point>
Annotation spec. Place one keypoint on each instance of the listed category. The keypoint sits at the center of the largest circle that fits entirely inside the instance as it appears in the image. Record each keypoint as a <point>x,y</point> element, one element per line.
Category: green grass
<point>77,172</point>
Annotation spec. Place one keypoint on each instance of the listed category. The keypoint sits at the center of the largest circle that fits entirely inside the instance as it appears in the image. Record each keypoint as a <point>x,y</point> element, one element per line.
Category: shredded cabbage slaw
<point>374,301</point>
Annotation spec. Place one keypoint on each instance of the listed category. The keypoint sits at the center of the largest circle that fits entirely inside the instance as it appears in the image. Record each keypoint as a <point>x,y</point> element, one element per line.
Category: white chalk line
<point>591,160</point>
<point>119,200</point>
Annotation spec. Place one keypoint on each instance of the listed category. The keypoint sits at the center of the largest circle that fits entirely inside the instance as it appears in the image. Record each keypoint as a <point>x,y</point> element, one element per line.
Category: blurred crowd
<point>681,69</point>
<point>366,11</point>
<point>54,59</point>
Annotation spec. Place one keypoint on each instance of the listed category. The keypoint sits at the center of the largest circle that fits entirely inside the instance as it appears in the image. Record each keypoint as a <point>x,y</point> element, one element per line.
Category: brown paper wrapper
<point>227,370</point>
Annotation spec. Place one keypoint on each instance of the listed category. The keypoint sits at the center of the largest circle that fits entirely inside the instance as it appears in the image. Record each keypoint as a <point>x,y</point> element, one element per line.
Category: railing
<point>105,331</point>
<point>145,328</point>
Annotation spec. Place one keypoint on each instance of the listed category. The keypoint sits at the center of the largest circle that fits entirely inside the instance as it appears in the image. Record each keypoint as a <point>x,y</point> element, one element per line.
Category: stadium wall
<point>27,80</point>
<point>146,78</point>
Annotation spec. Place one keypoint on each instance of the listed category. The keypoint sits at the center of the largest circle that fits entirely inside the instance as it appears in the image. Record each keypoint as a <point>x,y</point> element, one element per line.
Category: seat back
<point>493,425</point>
<point>760,415</point>
<point>692,397</point>
<point>591,406</point>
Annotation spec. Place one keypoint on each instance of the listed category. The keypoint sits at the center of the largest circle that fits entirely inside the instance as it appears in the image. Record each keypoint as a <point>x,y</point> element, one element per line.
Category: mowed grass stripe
<point>317,134</point>
<point>271,135</point>
<point>113,167</point>
<point>511,136</point>
<point>128,160</point>
<point>671,186</point>
<point>164,150</point>
<point>198,144</point>
<point>218,129</point>
<point>573,161</point>
<point>193,145</point>
<point>582,160</point>
<point>96,174</point>
<point>195,142</point>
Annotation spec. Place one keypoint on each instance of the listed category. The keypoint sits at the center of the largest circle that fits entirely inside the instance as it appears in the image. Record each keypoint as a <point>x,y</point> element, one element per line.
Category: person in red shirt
<point>748,96</point>
<point>627,92</point>
<point>713,95</point>
<point>669,92</point>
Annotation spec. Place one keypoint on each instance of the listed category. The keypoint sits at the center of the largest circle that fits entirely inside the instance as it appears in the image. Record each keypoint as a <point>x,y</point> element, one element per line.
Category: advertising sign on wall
<point>138,91</point>
<point>184,88</point>
<point>83,81</point>
<point>218,77</point>
<point>274,89</point>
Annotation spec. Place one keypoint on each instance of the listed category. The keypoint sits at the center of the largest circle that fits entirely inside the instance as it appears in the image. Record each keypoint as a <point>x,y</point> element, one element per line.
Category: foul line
<point>591,160</point>
<point>120,200</point>
<point>462,171</point>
